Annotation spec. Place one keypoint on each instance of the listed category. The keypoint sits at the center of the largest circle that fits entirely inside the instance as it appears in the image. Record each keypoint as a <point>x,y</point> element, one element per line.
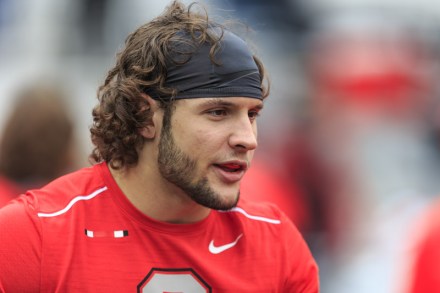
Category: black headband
<point>236,74</point>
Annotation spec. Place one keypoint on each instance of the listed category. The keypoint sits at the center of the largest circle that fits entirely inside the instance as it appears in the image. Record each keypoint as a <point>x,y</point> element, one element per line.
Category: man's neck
<point>156,197</point>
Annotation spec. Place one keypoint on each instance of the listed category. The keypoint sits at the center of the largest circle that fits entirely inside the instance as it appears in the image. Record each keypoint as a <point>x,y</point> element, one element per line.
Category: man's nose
<point>243,135</point>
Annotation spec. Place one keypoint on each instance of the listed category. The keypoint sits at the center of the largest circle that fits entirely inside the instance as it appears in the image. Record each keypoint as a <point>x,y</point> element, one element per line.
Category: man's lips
<point>231,171</point>
<point>233,166</point>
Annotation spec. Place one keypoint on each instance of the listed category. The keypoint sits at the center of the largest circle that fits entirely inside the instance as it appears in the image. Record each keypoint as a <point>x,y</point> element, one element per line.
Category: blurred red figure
<point>37,143</point>
<point>368,128</point>
<point>425,273</point>
<point>371,94</point>
<point>265,184</point>
<point>8,190</point>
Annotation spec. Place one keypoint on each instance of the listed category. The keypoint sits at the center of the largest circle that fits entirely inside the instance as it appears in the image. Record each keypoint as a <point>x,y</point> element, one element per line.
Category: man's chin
<point>228,202</point>
<point>213,196</point>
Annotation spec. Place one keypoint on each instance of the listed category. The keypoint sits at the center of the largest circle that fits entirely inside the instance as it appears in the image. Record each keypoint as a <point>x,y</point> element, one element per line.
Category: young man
<point>175,131</point>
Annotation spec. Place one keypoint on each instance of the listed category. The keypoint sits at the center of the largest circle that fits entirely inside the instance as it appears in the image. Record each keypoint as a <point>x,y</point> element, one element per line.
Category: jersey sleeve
<point>302,270</point>
<point>20,247</point>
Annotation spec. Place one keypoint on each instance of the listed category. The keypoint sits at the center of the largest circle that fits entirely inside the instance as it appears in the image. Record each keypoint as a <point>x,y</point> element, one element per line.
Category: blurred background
<point>349,138</point>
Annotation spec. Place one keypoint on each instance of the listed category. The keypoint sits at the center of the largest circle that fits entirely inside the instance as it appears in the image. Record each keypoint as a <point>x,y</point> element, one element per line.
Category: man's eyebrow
<point>217,102</point>
<point>214,102</point>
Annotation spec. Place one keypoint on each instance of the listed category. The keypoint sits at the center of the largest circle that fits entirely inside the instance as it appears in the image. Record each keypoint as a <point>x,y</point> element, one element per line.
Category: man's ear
<point>150,130</point>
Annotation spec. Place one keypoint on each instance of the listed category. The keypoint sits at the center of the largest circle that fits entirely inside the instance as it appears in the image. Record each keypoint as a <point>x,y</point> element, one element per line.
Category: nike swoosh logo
<point>219,249</point>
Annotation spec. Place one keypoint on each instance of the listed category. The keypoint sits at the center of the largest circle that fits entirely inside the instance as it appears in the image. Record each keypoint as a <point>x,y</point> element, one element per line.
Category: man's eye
<point>253,114</point>
<point>218,112</point>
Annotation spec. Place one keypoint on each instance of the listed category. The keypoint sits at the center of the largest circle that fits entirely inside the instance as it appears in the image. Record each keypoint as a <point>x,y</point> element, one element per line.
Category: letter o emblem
<point>173,280</point>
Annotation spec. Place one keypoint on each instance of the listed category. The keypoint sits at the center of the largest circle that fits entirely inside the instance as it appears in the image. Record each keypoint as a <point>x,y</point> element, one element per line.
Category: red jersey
<point>425,274</point>
<point>8,191</point>
<point>81,234</point>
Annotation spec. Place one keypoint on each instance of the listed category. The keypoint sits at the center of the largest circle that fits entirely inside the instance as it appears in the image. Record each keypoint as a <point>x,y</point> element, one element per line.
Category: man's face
<point>206,146</point>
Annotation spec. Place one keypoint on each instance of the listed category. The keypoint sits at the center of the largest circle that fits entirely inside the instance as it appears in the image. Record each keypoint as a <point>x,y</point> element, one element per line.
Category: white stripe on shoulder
<point>257,218</point>
<point>72,202</point>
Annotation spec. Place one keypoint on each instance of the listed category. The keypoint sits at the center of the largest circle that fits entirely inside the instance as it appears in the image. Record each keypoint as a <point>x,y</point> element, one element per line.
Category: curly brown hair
<point>141,67</point>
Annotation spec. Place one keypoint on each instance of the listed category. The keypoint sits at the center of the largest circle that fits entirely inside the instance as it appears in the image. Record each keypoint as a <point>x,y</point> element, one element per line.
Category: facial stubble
<point>180,169</point>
